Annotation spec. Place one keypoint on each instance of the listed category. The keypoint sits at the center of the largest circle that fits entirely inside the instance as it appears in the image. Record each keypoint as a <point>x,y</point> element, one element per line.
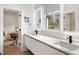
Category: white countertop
<point>50,41</point>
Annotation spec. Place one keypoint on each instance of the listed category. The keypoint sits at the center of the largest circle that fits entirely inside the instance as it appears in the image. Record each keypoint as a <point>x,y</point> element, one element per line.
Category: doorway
<point>11,32</point>
<point>69,21</point>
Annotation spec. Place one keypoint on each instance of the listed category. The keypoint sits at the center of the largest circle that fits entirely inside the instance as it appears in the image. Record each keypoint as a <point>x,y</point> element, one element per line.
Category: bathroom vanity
<point>39,47</point>
<point>48,18</point>
<point>45,45</point>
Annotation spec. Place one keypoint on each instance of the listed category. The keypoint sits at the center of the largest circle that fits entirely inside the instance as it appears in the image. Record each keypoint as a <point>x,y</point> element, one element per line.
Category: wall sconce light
<point>26,19</point>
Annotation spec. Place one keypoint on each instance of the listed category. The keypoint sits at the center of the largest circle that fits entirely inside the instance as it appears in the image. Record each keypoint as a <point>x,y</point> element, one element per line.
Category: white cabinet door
<point>39,48</point>
<point>28,42</point>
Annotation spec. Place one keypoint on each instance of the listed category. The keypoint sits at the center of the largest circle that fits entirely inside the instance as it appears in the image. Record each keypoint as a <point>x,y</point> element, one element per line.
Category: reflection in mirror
<point>71,18</point>
<point>53,20</point>
<point>69,21</point>
<point>52,12</point>
<point>38,18</point>
<point>47,16</point>
<point>50,23</point>
<point>56,18</point>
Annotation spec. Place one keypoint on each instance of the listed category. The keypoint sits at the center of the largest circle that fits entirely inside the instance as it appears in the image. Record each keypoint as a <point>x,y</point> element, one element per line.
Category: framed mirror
<point>52,17</point>
<point>70,18</point>
<point>69,22</point>
<point>38,18</point>
<point>53,20</point>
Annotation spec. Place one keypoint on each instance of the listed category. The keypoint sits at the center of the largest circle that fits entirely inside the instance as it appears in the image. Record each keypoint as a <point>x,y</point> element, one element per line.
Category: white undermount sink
<point>66,45</point>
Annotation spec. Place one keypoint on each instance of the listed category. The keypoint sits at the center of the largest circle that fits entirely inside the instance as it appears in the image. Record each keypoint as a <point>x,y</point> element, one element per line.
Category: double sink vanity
<point>48,18</point>
<point>45,45</point>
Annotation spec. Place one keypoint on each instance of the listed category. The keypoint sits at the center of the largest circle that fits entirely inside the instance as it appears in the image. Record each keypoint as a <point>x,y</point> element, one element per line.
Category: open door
<point>12,32</point>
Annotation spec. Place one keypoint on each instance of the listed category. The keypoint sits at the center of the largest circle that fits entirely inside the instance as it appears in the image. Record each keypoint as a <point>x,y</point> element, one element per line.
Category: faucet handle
<point>69,37</point>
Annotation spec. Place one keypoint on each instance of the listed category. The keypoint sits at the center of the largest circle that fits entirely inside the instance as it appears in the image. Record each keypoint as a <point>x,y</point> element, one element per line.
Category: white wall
<point>11,21</point>
<point>26,10</point>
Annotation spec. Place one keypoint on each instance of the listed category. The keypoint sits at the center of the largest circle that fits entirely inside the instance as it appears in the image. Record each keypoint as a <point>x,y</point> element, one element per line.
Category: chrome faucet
<point>70,39</point>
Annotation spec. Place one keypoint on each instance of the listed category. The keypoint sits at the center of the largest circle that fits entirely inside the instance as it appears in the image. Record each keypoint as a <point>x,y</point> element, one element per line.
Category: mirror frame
<point>41,11</point>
